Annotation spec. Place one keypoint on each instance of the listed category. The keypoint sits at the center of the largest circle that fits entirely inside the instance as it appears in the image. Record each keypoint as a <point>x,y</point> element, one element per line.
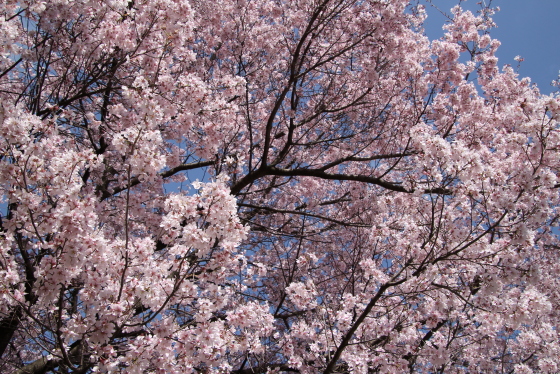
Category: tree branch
<point>166,174</point>
<point>350,333</point>
<point>8,326</point>
<point>350,177</point>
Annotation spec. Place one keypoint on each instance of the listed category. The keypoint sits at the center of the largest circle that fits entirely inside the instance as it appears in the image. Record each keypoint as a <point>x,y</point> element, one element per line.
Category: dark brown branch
<point>361,159</point>
<point>10,68</point>
<point>343,198</point>
<point>411,358</point>
<point>350,177</point>
<point>350,333</point>
<point>43,365</point>
<point>166,174</point>
<point>8,326</point>
<point>184,167</point>
<point>318,173</point>
<point>39,366</point>
<point>10,323</point>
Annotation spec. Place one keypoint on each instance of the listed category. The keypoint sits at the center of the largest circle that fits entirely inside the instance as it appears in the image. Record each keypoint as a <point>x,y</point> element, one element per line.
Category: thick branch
<point>8,326</point>
<point>318,173</point>
<point>43,364</point>
<point>350,177</point>
<point>39,366</point>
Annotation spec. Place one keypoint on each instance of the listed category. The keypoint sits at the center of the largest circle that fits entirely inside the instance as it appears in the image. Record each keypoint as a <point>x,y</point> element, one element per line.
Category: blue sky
<point>528,28</point>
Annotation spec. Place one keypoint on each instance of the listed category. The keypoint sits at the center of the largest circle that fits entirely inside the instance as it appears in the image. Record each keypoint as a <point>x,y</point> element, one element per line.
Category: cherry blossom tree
<point>370,201</point>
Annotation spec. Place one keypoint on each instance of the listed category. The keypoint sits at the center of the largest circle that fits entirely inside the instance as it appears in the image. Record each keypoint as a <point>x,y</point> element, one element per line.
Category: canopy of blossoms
<point>370,201</point>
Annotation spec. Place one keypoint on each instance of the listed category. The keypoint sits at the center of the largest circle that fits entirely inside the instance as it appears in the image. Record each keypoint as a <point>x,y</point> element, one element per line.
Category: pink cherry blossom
<point>272,187</point>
